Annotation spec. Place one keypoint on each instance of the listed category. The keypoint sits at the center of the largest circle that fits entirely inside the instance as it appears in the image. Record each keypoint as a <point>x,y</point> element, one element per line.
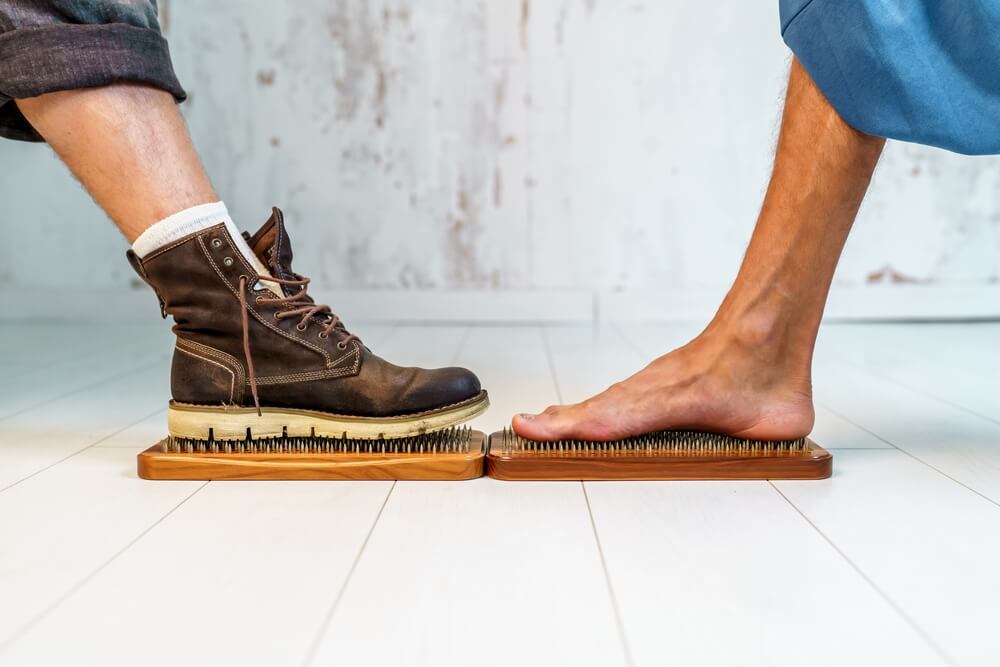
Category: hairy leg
<point>129,147</point>
<point>749,373</point>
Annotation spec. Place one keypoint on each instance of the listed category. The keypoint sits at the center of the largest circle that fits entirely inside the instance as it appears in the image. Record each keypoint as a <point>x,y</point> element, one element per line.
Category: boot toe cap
<point>461,384</point>
<point>443,386</point>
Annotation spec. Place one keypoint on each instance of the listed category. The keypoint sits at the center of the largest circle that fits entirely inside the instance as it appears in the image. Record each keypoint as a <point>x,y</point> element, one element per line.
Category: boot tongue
<point>272,245</point>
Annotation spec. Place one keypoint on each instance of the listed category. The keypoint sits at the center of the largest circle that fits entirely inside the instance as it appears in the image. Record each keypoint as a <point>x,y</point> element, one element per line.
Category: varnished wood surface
<point>814,463</point>
<point>156,464</point>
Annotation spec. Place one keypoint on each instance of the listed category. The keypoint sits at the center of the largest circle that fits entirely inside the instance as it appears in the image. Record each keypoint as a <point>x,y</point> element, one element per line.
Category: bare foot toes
<point>602,417</point>
<point>697,387</point>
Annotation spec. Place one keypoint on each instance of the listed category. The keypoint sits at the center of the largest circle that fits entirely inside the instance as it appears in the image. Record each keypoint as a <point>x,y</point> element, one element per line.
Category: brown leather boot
<point>250,360</point>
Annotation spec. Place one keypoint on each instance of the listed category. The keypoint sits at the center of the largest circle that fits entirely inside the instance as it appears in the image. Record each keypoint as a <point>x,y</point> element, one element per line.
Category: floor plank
<point>63,524</point>
<point>931,546</point>
<point>477,573</point>
<point>244,573</point>
<point>86,372</point>
<point>36,346</point>
<point>148,389</point>
<point>513,367</point>
<point>42,436</point>
<point>832,431</point>
<point>890,559</point>
<point>654,339</point>
<point>424,346</point>
<point>481,572</point>
<point>698,527</point>
<point>140,435</point>
<point>587,360</point>
<point>932,360</point>
<point>693,562</point>
<point>955,442</point>
<point>244,510</point>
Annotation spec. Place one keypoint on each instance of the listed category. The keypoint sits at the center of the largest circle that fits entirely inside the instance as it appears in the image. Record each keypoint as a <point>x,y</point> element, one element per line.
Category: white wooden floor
<point>893,561</point>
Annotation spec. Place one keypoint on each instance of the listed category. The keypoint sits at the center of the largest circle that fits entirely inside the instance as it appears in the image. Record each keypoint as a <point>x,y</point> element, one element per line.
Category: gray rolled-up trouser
<point>51,45</point>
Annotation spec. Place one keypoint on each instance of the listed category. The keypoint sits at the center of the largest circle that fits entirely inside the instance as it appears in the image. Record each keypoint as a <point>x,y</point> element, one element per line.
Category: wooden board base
<point>154,463</point>
<point>812,463</point>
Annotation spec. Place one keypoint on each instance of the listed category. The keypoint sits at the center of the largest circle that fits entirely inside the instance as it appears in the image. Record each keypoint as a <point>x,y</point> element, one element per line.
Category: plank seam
<point>461,345</point>
<point>903,451</point>
<point>328,619</point>
<point>133,370</point>
<point>619,623</point>
<point>888,600</point>
<point>916,390</point>
<point>20,632</point>
<point>80,451</point>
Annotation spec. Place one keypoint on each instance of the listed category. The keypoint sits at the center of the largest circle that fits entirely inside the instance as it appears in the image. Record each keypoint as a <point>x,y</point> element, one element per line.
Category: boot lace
<point>300,304</point>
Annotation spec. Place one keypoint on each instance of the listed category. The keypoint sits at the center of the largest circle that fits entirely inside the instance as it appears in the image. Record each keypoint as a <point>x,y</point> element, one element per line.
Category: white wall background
<point>570,150</point>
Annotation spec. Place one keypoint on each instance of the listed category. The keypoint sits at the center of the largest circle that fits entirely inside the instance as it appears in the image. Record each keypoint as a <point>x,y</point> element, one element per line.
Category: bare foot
<point>717,382</point>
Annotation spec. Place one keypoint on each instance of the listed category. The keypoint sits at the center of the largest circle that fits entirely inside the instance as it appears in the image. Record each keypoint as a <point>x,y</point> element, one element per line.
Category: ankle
<point>766,337</point>
<point>763,330</point>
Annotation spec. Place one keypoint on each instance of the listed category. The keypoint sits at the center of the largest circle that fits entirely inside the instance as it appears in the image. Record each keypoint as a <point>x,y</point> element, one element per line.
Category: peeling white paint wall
<point>526,144</point>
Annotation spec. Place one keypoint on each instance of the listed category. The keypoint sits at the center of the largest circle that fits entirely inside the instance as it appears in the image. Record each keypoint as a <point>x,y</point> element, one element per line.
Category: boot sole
<point>205,422</point>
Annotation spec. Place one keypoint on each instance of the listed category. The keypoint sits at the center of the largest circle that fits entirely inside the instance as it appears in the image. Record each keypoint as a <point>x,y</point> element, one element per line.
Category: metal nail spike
<point>449,441</point>
<point>687,442</point>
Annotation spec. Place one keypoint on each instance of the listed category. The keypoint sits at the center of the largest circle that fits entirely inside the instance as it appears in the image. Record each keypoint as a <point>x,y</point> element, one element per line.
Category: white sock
<point>189,221</point>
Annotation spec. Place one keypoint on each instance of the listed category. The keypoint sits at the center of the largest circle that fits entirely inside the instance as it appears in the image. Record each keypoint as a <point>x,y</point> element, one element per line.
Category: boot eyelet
<point>300,327</point>
<point>228,261</point>
<point>341,346</point>
<point>216,243</point>
<point>276,317</point>
<point>258,299</point>
<point>324,335</point>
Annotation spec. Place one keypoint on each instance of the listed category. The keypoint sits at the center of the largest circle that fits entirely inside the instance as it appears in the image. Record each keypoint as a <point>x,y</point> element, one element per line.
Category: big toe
<point>549,425</point>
